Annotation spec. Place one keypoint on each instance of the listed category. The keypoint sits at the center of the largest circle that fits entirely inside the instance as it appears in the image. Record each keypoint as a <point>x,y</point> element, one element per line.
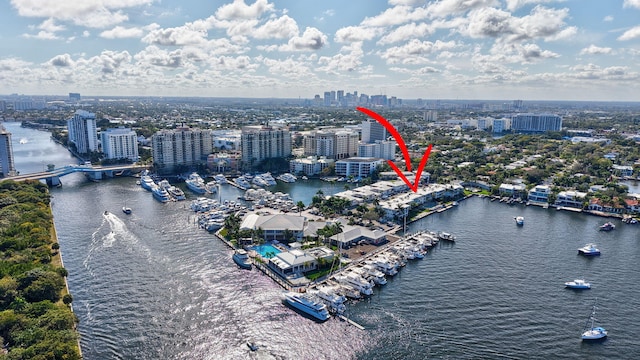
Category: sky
<point>445,49</point>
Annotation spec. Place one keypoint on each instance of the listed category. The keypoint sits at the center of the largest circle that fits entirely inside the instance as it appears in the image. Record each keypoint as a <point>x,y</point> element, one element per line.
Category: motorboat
<point>160,194</point>
<point>242,183</point>
<point>287,177</point>
<point>196,184</point>
<point>174,191</point>
<point>334,301</point>
<point>126,210</point>
<point>241,258</point>
<point>519,220</point>
<point>589,250</point>
<point>220,179</point>
<point>146,182</point>
<point>577,284</point>
<point>590,331</point>
<point>357,282</point>
<point>308,304</point>
<point>446,236</point>
<point>608,226</point>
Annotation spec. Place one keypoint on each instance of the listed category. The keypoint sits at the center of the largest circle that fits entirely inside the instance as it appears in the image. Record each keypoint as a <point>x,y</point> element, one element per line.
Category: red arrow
<point>403,147</point>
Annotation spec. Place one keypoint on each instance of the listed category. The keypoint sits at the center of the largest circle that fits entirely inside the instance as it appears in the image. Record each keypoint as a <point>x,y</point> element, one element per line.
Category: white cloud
<point>312,39</point>
<point>189,34</point>
<point>513,5</point>
<point>356,34</point>
<point>595,50</point>
<point>446,8</point>
<point>50,26</point>
<point>631,4</point>
<point>631,34</point>
<point>395,16</point>
<point>593,72</point>
<point>13,64</point>
<point>348,59</point>
<point>42,35</point>
<point>239,10</point>
<point>88,13</point>
<point>280,28</point>
<point>406,32</point>
<point>120,32</point>
<point>608,18</point>
<point>415,51</point>
<point>86,33</point>
<point>63,60</point>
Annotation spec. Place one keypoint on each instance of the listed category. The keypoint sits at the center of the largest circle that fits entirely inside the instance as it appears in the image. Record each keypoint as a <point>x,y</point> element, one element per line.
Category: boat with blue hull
<point>578,284</point>
<point>592,332</point>
<point>589,250</point>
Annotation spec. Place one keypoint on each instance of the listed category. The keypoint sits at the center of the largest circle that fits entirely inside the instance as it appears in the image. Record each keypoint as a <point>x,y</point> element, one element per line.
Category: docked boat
<point>220,179</point>
<point>307,304</point>
<point>608,226</point>
<point>577,284</point>
<point>519,220</point>
<point>357,282</point>
<point>242,183</point>
<point>287,177</point>
<point>174,191</point>
<point>196,184</point>
<point>331,298</point>
<point>146,182</point>
<point>160,194</point>
<point>446,236</point>
<point>589,250</point>
<point>241,258</point>
<point>590,331</point>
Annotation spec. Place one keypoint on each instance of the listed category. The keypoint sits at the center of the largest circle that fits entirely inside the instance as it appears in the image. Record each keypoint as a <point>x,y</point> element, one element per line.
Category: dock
<point>344,318</point>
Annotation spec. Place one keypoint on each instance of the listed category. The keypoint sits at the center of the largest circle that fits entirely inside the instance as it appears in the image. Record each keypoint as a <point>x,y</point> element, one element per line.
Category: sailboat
<point>590,331</point>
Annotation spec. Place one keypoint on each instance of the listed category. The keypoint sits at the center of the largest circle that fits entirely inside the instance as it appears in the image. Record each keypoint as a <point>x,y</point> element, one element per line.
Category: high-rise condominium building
<point>264,142</point>
<point>7,167</point>
<point>373,131</point>
<point>82,131</point>
<point>536,122</point>
<point>182,147</point>
<point>120,143</point>
<point>338,144</point>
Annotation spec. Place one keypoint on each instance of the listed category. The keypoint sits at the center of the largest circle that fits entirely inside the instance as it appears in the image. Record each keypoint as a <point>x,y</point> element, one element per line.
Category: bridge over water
<point>95,173</point>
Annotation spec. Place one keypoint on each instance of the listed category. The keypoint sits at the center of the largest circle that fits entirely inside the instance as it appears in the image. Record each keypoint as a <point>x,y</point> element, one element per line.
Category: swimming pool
<point>266,250</point>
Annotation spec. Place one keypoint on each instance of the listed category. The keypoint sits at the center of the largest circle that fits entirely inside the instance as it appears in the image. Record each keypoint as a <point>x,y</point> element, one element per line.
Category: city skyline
<point>448,49</point>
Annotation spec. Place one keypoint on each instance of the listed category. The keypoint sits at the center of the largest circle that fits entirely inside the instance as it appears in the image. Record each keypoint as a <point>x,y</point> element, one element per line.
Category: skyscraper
<point>7,167</point>
<point>82,132</point>
<point>536,122</point>
<point>120,143</point>
<point>372,131</point>
<point>180,147</point>
<point>264,142</point>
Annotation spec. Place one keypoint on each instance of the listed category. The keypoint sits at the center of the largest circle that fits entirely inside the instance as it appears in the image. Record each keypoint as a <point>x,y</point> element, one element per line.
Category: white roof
<point>273,222</point>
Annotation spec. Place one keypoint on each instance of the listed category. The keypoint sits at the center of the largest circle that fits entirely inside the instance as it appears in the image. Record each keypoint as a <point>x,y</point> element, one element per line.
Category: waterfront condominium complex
<point>82,132</point>
<point>332,144</point>
<point>120,143</point>
<point>381,149</point>
<point>357,167</point>
<point>7,167</point>
<point>536,122</point>
<point>264,142</point>
<point>181,147</point>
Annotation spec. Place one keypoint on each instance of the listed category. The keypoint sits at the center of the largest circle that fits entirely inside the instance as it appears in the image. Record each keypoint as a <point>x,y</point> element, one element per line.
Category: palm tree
<point>300,206</point>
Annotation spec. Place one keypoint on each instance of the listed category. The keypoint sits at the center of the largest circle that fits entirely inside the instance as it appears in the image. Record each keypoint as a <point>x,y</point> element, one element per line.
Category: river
<point>152,285</point>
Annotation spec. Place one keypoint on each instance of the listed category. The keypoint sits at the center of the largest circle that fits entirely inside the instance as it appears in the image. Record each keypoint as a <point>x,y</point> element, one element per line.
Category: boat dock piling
<point>342,317</point>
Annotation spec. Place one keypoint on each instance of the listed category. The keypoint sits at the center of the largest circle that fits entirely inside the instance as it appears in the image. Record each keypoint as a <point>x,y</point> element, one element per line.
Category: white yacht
<point>242,183</point>
<point>328,294</point>
<point>357,282</point>
<point>196,184</point>
<point>287,177</point>
<point>220,179</point>
<point>146,182</point>
<point>174,192</point>
<point>160,194</point>
<point>307,304</point>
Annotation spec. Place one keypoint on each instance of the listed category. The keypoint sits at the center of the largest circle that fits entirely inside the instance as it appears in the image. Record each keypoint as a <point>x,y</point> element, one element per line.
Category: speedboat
<point>590,331</point>
<point>308,304</point>
<point>126,210</point>
<point>577,284</point>
<point>589,250</point>
<point>519,220</point>
<point>608,226</point>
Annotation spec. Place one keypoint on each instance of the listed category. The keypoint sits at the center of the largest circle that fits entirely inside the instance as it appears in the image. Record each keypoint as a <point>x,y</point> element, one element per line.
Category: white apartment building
<point>381,149</point>
<point>333,144</point>
<point>264,142</point>
<point>372,131</point>
<point>536,122</point>
<point>180,147</point>
<point>571,198</point>
<point>310,165</point>
<point>7,166</point>
<point>357,167</point>
<point>83,132</point>
<point>120,143</point>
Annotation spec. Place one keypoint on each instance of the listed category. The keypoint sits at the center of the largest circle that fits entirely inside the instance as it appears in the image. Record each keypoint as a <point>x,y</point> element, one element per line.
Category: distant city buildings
<point>263,142</point>
<point>340,98</point>
<point>74,97</point>
<point>83,132</point>
<point>536,122</point>
<point>182,147</point>
<point>7,166</point>
<point>120,143</point>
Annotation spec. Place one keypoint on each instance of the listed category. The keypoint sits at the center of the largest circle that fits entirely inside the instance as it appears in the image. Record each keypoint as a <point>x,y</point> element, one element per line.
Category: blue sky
<point>446,49</point>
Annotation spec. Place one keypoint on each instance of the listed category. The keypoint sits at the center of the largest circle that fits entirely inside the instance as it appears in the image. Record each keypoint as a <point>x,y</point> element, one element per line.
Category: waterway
<point>152,285</point>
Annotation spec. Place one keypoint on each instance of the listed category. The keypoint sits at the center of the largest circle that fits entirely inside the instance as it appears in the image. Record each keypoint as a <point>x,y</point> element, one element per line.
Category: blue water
<point>266,250</point>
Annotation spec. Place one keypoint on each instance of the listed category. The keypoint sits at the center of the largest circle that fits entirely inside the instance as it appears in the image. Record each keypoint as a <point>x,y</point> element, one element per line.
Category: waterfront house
<point>632,206</point>
<point>540,193</point>
<point>571,198</point>
<point>513,190</point>
<point>293,263</point>
<point>275,226</point>
<point>352,235</point>
<point>613,207</point>
<point>622,171</point>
